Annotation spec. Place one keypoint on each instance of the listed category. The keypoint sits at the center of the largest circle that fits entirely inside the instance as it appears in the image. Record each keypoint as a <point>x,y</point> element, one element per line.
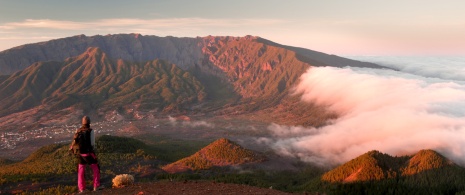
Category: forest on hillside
<point>51,170</point>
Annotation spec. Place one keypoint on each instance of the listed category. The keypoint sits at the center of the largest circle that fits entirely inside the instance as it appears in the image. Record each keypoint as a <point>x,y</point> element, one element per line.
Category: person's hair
<point>85,120</point>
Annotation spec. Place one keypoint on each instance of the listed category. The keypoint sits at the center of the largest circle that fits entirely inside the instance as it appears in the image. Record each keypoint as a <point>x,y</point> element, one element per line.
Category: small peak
<point>250,37</point>
<point>136,35</point>
<point>428,152</point>
<point>222,152</point>
<point>425,160</point>
<point>223,140</point>
<point>427,155</point>
<point>373,152</point>
<point>80,36</point>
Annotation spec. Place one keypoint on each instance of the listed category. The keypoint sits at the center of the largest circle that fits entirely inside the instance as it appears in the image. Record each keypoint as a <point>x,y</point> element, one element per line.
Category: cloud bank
<point>391,114</point>
<point>444,67</point>
<point>188,123</point>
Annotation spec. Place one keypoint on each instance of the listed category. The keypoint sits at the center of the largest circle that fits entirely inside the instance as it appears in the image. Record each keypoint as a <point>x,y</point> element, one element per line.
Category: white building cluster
<point>10,140</point>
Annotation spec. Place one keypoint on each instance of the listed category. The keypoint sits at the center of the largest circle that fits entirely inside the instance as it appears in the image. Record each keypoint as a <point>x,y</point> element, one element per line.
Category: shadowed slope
<point>130,47</point>
<point>92,80</point>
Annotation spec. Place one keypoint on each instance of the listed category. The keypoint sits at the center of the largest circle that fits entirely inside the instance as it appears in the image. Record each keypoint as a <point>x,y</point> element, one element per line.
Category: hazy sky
<point>342,27</point>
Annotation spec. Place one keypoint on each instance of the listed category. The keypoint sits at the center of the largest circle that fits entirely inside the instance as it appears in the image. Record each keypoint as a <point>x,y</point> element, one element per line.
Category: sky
<point>341,27</point>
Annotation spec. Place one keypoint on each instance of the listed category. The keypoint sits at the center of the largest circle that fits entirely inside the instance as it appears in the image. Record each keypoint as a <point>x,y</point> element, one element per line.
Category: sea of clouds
<point>421,106</point>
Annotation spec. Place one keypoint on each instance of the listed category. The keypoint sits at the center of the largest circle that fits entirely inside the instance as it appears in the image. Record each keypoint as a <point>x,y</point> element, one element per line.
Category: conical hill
<point>221,152</point>
<point>376,166</point>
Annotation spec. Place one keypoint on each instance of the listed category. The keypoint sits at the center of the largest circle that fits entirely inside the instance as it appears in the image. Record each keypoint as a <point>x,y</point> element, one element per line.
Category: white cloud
<point>174,122</point>
<point>136,23</point>
<point>445,68</point>
<point>394,115</point>
<point>198,124</point>
<point>46,23</point>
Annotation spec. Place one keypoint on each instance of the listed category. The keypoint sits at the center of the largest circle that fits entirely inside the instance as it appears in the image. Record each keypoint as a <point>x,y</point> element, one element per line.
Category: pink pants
<point>82,178</point>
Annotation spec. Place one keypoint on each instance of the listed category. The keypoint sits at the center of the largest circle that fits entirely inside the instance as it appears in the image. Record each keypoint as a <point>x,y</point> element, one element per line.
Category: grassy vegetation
<point>230,152</point>
<point>4,161</point>
<point>53,163</point>
<point>370,166</point>
<point>428,172</point>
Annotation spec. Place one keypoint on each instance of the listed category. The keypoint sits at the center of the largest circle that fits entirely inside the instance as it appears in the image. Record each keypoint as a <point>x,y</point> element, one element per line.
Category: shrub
<point>123,180</point>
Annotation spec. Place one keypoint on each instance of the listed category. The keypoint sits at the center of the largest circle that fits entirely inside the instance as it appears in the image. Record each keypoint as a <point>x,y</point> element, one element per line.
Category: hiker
<point>83,147</point>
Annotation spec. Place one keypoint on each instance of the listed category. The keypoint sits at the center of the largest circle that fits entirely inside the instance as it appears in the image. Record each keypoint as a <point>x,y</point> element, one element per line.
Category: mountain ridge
<point>185,52</point>
<point>231,75</point>
<point>377,166</point>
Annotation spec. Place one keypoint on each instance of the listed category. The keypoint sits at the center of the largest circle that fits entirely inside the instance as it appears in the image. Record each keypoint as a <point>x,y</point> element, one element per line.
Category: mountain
<point>221,152</point>
<point>249,76</point>
<point>372,165</point>
<point>185,52</point>
<point>50,170</point>
<point>376,173</point>
<point>375,165</point>
<point>93,80</point>
<point>321,59</point>
<point>253,66</point>
<point>423,161</point>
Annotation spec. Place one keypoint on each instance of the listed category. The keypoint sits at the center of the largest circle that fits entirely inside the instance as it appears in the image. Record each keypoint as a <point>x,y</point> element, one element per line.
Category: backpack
<point>81,143</point>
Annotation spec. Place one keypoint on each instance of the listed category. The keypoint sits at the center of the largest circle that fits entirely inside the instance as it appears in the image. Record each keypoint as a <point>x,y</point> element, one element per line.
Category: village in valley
<point>56,134</point>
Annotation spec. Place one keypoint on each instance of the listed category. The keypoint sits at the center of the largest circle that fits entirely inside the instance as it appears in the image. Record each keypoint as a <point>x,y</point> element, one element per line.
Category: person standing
<point>83,147</point>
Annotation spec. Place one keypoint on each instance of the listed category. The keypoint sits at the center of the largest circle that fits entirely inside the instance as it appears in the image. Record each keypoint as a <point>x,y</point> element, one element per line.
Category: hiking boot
<point>99,188</point>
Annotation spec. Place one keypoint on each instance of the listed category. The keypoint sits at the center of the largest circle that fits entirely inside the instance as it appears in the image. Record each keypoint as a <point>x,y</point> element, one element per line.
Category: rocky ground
<point>187,187</point>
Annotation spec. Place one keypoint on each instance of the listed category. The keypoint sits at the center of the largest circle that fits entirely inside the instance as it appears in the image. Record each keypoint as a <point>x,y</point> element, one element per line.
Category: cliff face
<point>254,69</point>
